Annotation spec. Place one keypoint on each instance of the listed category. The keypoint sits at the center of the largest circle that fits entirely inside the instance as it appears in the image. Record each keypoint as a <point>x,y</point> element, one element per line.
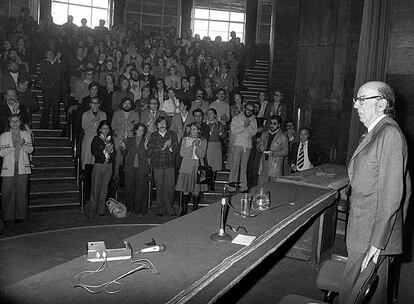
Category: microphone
<point>157,248</point>
<point>235,184</point>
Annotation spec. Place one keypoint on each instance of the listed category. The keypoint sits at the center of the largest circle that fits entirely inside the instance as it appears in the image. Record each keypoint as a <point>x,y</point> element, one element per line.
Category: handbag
<point>116,208</point>
<point>204,173</point>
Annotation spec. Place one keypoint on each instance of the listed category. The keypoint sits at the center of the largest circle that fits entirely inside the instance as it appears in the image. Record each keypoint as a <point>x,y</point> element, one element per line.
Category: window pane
<point>237,17</point>
<point>201,13</point>
<point>79,12</point>
<point>219,15</point>
<point>224,35</point>
<point>83,2</point>
<point>218,26</point>
<point>202,33</point>
<point>59,13</point>
<point>100,3</point>
<point>237,27</point>
<point>200,25</point>
<point>99,14</point>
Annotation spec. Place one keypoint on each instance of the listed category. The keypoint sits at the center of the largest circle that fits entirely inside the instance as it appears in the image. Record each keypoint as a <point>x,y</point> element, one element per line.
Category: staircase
<point>256,80</point>
<point>53,179</point>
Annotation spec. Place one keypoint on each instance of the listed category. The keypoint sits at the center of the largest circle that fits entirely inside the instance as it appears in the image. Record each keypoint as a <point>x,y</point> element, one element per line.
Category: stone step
<point>36,123</point>
<point>45,185</point>
<point>37,116</point>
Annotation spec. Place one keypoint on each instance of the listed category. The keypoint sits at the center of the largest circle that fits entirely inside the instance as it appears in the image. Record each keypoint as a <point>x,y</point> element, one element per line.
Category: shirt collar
<point>374,123</point>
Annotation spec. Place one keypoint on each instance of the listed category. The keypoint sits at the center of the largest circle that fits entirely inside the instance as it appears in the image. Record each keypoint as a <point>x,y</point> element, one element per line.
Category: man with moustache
<point>381,190</point>
<point>274,145</point>
<point>243,128</point>
<point>122,124</point>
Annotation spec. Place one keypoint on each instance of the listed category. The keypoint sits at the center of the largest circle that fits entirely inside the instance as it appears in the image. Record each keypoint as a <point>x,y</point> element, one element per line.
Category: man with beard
<point>122,124</point>
<point>150,115</point>
<point>243,128</point>
<point>274,145</point>
<point>135,84</point>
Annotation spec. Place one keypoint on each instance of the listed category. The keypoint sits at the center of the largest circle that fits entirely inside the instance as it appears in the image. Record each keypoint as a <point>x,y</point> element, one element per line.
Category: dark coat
<point>131,150</point>
<point>316,156</point>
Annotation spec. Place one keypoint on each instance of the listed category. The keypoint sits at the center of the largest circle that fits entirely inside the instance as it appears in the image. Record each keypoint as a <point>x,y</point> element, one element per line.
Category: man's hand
<point>372,253</point>
<point>293,167</point>
<point>16,108</point>
<point>246,123</point>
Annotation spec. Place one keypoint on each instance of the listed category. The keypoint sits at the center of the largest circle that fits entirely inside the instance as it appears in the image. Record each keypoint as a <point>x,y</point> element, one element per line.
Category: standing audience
<point>15,147</point>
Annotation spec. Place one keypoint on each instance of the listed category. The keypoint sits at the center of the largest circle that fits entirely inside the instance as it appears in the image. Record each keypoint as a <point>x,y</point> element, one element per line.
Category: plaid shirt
<point>162,159</point>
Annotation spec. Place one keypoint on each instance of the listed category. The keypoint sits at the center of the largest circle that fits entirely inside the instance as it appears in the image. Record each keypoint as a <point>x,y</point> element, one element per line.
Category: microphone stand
<point>221,236</point>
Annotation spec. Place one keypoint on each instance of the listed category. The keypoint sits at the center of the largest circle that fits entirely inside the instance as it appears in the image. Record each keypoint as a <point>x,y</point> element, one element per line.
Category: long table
<point>192,269</point>
<point>317,241</point>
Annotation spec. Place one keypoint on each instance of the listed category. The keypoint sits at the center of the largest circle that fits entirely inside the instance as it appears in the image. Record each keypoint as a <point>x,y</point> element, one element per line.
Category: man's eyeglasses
<point>360,100</point>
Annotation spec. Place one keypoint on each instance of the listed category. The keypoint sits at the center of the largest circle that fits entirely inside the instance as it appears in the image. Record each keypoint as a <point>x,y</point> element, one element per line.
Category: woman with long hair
<point>137,170</point>
<point>15,147</point>
<point>103,149</point>
<point>193,151</point>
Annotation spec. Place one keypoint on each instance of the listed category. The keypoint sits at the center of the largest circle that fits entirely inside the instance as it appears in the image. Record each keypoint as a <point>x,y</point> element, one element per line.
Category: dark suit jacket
<point>381,189</point>
<point>7,82</point>
<point>5,113</point>
<point>281,111</point>
<point>315,154</point>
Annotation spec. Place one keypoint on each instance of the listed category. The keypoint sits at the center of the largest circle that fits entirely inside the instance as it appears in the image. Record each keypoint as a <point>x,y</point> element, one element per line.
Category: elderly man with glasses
<point>381,191</point>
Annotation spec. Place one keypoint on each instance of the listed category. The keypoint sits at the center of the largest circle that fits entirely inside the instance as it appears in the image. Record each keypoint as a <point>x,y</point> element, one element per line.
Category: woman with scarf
<point>193,150</point>
<point>214,151</point>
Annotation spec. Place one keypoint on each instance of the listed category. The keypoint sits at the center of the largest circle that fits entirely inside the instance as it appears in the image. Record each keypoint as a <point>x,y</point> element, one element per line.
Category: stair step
<point>52,141</point>
<point>62,117</point>
<point>264,61</point>
<point>52,186</point>
<point>46,172</point>
<point>53,151</point>
<point>47,133</point>
<point>36,123</point>
<point>66,199</point>
<point>52,161</point>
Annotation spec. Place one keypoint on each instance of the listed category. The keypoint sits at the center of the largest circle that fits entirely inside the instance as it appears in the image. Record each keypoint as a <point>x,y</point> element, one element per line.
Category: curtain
<point>372,55</point>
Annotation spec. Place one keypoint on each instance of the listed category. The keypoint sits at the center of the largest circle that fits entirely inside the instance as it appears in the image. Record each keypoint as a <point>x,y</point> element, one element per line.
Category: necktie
<point>301,158</point>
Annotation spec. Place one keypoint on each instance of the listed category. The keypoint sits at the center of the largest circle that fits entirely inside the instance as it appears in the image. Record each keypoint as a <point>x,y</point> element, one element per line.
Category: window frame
<point>210,19</point>
<point>109,9</point>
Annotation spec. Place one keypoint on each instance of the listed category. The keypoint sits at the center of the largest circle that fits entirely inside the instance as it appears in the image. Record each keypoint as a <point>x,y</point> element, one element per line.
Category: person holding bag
<point>193,150</point>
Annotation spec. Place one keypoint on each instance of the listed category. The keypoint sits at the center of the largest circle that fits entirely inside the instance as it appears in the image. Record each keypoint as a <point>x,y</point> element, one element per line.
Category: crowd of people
<point>147,104</point>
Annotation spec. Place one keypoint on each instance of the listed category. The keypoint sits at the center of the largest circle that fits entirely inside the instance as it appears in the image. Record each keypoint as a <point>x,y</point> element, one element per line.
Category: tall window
<point>92,10</point>
<point>219,18</point>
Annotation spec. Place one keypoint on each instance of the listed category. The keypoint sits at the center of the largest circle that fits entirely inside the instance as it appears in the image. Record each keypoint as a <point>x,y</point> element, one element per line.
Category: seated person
<point>305,154</point>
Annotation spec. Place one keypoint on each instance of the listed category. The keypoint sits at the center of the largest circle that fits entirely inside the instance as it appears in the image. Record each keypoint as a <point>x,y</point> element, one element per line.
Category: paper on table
<point>242,239</point>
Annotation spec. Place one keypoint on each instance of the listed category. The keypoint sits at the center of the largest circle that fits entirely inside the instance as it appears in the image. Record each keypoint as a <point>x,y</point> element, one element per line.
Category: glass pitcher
<point>261,199</point>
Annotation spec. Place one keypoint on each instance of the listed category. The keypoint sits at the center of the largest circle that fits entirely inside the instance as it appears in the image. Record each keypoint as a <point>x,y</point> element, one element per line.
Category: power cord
<point>77,280</point>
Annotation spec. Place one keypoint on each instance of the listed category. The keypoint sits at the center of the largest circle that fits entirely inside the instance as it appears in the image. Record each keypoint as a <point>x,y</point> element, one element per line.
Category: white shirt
<point>306,162</point>
<point>374,123</point>
<point>262,109</point>
<point>15,76</point>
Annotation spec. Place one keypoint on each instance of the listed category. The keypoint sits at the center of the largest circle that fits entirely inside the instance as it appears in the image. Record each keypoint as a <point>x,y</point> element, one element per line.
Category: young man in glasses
<point>274,145</point>
<point>381,190</point>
